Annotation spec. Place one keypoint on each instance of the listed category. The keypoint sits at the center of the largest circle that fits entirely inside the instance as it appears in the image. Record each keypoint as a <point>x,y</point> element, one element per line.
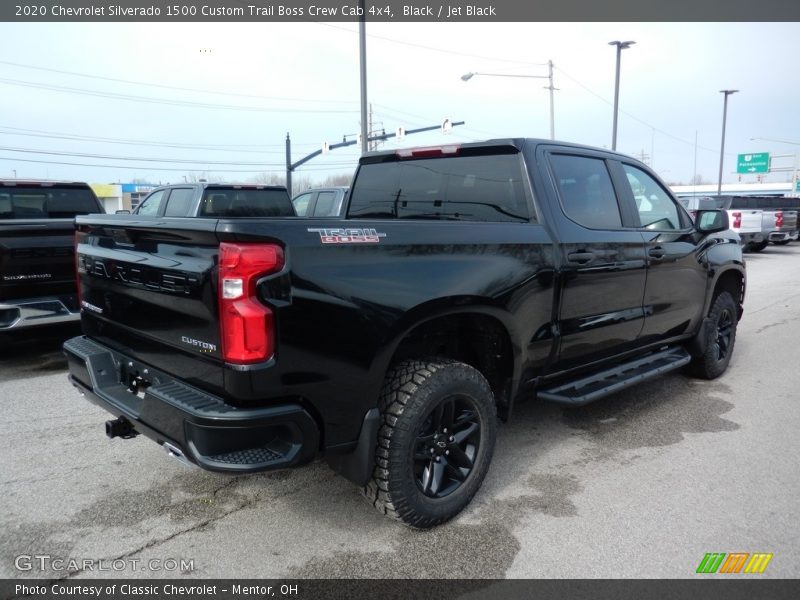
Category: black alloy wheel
<point>716,338</point>
<point>435,443</point>
<point>724,334</point>
<point>446,447</point>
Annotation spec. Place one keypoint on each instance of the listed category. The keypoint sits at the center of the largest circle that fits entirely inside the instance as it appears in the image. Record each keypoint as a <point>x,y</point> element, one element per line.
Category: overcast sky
<point>303,78</point>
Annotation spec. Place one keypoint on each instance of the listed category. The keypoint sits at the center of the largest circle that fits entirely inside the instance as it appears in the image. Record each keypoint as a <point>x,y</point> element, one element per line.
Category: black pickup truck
<point>462,279</point>
<point>37,265</point>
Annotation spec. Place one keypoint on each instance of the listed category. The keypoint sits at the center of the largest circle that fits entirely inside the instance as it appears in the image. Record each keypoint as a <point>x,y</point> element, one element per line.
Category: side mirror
<point>711,221</point>
<point>122,212</point>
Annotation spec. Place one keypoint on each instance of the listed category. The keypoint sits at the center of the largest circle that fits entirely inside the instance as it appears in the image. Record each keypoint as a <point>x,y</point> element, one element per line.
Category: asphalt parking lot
<point>641,484</point>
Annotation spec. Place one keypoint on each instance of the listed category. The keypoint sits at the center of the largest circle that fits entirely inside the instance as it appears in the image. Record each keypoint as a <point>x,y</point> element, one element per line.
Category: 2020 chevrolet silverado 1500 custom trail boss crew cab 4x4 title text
<point>462,279</point>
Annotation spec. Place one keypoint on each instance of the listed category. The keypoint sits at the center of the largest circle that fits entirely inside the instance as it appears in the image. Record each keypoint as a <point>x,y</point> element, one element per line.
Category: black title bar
<point>396,11</point>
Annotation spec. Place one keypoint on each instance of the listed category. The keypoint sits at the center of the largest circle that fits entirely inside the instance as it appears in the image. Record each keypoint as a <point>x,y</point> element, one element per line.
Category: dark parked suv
<point>216,200</point>
<point>321,202</point>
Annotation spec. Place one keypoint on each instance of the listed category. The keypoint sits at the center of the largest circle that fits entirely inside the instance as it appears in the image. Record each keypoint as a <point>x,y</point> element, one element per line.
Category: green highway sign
<point>753,163</point>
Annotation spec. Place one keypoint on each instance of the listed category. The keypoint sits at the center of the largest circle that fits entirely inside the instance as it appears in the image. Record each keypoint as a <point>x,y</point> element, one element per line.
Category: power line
<point>136,158</point>
<point>433,48</point>
<point>190,146</point>
<point>140,168</point>
<point>77,138</point>
<point>173,87</point>
<point>167,101</point>
<point>135,168</point>
<point>634,117</point>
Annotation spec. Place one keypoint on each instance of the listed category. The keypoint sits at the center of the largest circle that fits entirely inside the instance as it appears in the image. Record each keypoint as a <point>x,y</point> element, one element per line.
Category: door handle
<point>656,253</point>
<point>580,257</point>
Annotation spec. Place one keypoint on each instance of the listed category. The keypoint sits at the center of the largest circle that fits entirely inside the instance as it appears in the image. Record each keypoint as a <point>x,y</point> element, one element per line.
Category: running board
<point>603,383</point>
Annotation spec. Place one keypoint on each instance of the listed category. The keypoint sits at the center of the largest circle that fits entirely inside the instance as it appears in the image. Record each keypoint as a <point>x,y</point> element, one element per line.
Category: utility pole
<point>552,110</point>
<point>722,145</point>
<point>620,47</point>
<point>289,168</point>
<point>373,144</point>
<point>551,87</point>
<point>362,38</point>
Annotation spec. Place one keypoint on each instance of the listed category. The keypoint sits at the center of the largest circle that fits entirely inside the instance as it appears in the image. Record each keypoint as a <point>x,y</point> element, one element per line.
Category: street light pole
<point>722,145</point>
<point>620,47</point>
<point>549,77</point>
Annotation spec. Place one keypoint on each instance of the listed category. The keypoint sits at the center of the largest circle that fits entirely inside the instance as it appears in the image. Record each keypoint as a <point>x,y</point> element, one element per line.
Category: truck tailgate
<point>36,259</point>
<point>789,220</point>
<point>148,289</point>
<point>750,220</point>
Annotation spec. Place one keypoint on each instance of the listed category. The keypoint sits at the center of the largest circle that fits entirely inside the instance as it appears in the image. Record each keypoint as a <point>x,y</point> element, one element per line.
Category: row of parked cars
<point>36,230</point>
<point>758,220</point>
<point>37,270</point>
<point>224,200</point>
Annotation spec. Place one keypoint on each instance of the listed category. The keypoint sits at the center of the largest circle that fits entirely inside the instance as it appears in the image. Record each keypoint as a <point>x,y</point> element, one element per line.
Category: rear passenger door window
<point>325,204</point>
<point>179,202</point>
<point>151,205</point>
<point>587,194</point>
<point>656,209</point>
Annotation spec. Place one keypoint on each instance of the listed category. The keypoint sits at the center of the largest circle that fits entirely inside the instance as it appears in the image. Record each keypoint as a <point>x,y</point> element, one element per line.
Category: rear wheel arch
<point>472,336</point>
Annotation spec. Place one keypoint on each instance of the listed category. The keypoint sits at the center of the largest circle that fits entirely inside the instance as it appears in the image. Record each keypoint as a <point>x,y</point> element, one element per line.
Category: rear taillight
<point>246,325</point>
<point>737,220</point>
<point>778,219</point>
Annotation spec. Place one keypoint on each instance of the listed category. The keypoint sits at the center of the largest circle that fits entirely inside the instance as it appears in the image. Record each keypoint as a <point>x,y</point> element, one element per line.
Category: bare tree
<point>268,179</point>
<point>195,177</point>
<point>336,180</point>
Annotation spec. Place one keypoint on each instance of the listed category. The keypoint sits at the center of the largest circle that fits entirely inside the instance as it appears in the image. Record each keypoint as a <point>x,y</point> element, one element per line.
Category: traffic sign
<point>797,186</point>
<point>753,163</point>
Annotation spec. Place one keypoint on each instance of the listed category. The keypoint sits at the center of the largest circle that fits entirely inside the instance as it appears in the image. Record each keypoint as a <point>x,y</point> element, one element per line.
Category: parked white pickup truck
<point>747,222</point>
<point>778,227</point>
<point>778,219</point>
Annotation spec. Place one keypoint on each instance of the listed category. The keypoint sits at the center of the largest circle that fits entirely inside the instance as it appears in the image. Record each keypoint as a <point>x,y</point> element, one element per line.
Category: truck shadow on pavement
<point>353,540</point>
<point>33,353</point>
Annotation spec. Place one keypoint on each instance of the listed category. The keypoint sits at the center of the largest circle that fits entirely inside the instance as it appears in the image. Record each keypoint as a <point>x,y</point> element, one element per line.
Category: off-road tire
<point>720,337</point>
<point>413,392</point>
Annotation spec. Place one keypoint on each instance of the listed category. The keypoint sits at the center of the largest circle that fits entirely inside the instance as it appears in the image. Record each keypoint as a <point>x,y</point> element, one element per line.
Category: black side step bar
<point>603,383</point>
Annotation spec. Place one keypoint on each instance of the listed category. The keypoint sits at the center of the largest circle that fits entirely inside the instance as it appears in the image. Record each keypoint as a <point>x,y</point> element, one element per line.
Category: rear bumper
<point>751,238</point>
<point>202,427</point>
<point>34,312</point>
<point>780,236</point>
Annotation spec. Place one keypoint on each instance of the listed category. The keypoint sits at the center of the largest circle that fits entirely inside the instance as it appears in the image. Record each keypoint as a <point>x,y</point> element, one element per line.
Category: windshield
<point>33,202</point>
<point>232,202</point>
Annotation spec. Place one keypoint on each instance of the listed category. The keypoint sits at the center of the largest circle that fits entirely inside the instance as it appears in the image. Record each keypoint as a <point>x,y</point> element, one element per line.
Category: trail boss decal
<point>348,236</point>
